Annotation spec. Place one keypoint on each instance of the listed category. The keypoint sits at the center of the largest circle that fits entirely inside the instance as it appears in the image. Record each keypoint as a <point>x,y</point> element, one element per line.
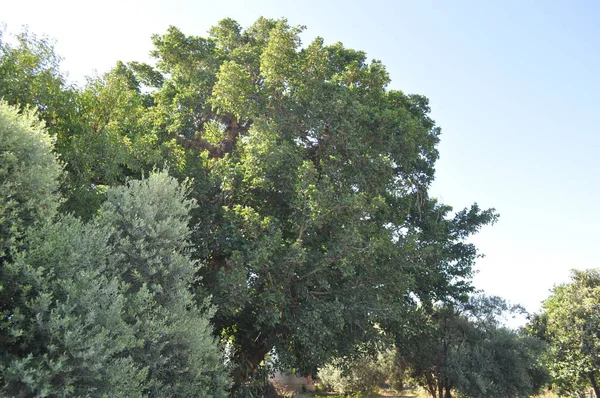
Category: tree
<point>570,322</point>
<point>150,253</point>
<point>314,222</point>
<point>463,348</point>
<point>110,143</point>
<point>31,77</point>
<point>102,308</point>
<point>29,175</point>
<point>106,308</point>
<point>99,130</point>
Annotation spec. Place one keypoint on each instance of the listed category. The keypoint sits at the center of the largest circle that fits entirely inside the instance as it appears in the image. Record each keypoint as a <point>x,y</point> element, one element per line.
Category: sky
<point>513,84</point>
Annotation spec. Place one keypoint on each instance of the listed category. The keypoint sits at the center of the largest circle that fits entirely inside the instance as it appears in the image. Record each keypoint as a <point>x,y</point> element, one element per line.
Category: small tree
<point>463,348</point>
<point>100,308</point>
<point>150,253</point>
<point>364,373</point>
<point>106,308</point>
<point>570,321</point>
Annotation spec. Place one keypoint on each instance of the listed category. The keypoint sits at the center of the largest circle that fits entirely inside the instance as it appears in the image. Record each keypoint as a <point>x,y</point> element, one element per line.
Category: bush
<point>363,374</point>
<point>106,308</point>
<point>103,308</point>
<point>29,174</point>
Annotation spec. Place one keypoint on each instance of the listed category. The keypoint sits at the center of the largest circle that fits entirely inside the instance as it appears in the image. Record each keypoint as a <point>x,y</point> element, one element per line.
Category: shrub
<point>363,374</point>
<point>103,308</point>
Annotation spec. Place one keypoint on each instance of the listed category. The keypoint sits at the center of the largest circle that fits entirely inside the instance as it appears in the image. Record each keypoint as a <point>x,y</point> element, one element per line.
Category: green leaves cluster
<point>570,323</point>
<point>101,308</point>
<point>464,348</point>
<point>312,229</point>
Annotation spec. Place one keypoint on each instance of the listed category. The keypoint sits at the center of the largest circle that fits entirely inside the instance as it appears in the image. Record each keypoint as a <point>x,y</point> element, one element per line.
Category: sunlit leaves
<point>570,322</point>
<point>279,59</point>
<point>233,92</point>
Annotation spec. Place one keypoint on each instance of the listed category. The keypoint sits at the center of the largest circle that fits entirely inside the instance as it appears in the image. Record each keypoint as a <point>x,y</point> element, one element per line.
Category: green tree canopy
<point>311,175</point>
<point>102,308</point>
<point>570,322</point>
<point>464,348</point>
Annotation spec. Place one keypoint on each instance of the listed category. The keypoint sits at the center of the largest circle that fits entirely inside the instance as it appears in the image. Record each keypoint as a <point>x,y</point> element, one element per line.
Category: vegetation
<point>363,374</point>
<point>570,323</point>
<point>165,228</point>
<point>312,180</point>
<point>462,347</point>
<point>458,348</point>
<point>100,308</point>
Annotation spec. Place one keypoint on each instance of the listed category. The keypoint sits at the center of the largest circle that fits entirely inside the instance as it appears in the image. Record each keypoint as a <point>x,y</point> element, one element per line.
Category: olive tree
<point>101,308</point>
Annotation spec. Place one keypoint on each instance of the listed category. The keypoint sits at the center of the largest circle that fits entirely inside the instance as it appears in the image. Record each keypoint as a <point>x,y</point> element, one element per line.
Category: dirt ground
<point>282,391</point>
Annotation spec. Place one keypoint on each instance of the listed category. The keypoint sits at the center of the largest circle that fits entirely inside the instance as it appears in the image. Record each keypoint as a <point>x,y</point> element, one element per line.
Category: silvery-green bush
<point>99,308</point>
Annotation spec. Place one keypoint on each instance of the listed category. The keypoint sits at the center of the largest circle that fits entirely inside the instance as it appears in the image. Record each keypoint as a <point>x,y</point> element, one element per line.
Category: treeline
<point>166,228</point>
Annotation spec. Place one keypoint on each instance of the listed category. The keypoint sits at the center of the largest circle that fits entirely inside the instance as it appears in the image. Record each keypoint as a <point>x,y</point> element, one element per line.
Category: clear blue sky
<point>513,84</point>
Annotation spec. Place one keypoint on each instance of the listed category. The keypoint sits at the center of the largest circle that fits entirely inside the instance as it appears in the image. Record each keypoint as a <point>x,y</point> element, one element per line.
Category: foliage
<point>312,182</point>
<point>67,336</point>
<point>99,131</point>
<point>30,76</point>
<point>150,241</point>
<point>28,184</point>
<point>313,222</point>
<point>110,143</point>
<point>570,323</point>
<point>362,374</point>
<point>462,347</point>
<point>102,308</point>
<point>28,177</point>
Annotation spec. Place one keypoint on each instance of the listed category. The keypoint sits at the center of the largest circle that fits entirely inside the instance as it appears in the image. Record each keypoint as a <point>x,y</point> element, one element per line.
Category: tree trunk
<point>444,383</point>
<point>594,384</point>
<point>248,365</point>
<point>448,394</point>
<point>430,385</point>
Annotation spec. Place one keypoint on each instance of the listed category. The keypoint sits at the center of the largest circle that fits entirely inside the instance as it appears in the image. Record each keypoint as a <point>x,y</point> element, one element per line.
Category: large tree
<point>314,220</point>
<point>313,223</point>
